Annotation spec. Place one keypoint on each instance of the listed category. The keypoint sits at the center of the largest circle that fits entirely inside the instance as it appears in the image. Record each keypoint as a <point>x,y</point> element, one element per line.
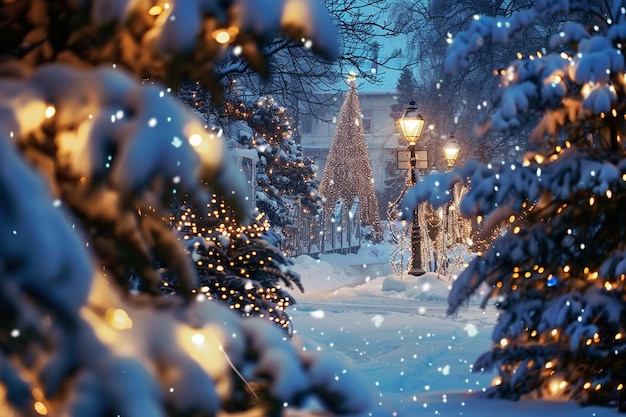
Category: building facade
<point>381,134</point>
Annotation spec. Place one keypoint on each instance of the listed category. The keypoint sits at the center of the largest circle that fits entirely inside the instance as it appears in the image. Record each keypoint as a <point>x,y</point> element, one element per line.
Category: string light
<point>226,278</point>
<point>118,319</point>
<point>350,149</point>
<point>49,112</point>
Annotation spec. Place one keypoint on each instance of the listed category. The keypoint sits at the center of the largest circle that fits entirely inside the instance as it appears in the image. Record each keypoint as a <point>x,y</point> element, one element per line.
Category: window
<point>306,124</point>
<point>367,122</point>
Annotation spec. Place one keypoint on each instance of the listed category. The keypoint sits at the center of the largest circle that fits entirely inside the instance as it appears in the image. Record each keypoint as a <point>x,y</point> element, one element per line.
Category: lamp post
<point>450,154</point>
<point>412,124</point>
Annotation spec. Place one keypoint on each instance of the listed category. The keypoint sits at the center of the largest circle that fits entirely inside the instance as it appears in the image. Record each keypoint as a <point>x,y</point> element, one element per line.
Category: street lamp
<point>412,124</point>
<point>451,151</point>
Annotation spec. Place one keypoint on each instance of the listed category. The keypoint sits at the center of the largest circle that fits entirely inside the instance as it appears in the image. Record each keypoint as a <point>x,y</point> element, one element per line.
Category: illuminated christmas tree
<point>235,270</point>
<point>348,173</point>
<point>558,272</point>
<point>237,265</point>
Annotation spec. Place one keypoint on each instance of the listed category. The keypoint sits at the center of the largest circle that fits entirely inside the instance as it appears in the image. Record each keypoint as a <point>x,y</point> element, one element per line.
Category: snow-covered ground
<point>393,331</point>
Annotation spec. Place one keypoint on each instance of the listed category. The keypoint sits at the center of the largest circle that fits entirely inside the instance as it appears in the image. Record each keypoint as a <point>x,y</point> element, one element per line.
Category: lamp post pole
<point>412,124</point>
<point>416,232</point>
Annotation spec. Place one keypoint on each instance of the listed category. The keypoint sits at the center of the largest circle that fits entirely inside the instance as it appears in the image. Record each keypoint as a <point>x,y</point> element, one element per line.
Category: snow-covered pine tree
<point>286,179</point>
<point>285,176</point>
<point>89,159</point>
<point>286,182</point>
<point>348,173</point>
<point>406,90</point>
<point>237,264</point>
<point>196,97</point>
<point>558,273</point>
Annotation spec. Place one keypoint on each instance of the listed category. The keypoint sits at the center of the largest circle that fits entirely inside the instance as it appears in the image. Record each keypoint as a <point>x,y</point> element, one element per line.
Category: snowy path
<point>416,364</point>
<point>409,346</point>
<point>413,358</point>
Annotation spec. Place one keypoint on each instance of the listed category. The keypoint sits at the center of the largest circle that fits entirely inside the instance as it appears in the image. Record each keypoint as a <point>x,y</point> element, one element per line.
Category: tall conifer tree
<point>348,173</point>
<point>557,271</point>
<point>406,90</point>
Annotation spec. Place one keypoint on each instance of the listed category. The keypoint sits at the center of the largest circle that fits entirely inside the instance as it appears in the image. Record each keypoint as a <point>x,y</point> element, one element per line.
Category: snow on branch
<point>107,145</point>
<point>169,41</point>
<point>31,226</point>
<point>110,153</point>
<point>499,29</point>
<point>99,135</point>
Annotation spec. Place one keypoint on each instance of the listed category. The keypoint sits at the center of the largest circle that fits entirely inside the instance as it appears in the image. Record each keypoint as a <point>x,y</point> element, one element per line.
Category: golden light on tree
<point>96,149</point>
<point>348,173</point>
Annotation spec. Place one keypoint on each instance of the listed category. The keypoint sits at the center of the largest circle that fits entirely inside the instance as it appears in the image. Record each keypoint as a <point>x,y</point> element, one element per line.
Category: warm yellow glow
<point>50,112</point>
<point>586,90</point>
<point>554,332</point>
<point>198,339</point>
<point>618,336</point>
<point>204,343</point>
<point>195,140</point>
<point>496,381</point>
<point>118,319</point>
<point>549,364</point>
<point>41,408</point>
<point>155,10</point>
<point>504,342</point>
<point>557,385</point>
<point>412,124</point>
<point>592,200</point>
<point>587,385</point>
<point>620,387</point>
<point>226,35</point>
<point>609,194</point>
<point>221,36</point>
<point>451,152</point>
